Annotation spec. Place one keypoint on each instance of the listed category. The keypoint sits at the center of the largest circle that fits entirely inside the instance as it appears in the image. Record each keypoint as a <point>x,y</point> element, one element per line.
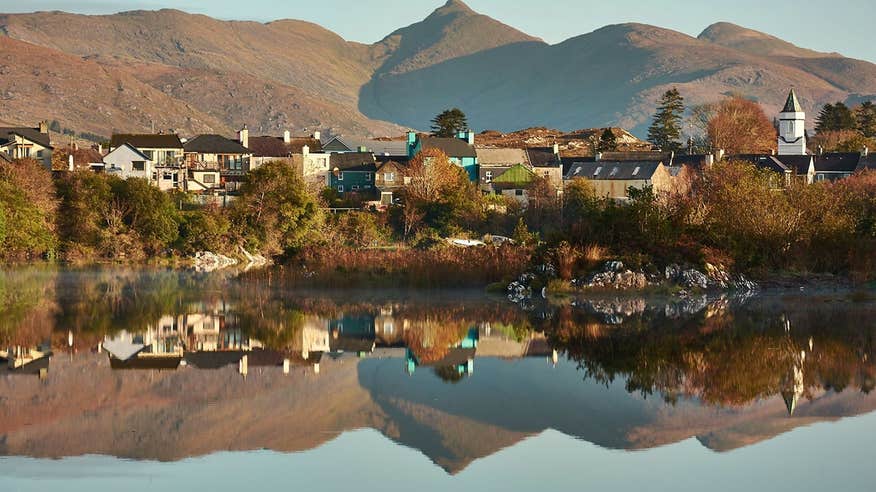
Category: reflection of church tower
<point>792,127</point>
<point>792,387</point>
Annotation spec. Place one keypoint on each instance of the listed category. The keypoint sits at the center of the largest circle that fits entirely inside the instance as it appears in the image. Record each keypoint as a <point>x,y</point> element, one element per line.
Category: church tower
<point>792,127</point>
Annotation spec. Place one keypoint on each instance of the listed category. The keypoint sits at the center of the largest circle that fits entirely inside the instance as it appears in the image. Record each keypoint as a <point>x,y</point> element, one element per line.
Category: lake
<point>159,379</point>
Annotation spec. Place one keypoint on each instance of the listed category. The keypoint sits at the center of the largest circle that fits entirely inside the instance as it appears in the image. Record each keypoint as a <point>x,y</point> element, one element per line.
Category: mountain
<point>295,74</point>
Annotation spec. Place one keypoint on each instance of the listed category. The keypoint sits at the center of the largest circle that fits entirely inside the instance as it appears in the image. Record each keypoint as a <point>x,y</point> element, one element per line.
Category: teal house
<point>352,172</point>
<point>460,150</point>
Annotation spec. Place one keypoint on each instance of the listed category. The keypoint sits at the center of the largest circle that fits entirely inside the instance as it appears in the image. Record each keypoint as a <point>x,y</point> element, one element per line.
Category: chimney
<point>362,148</point>
<point>287,137</point>
<point>305,151</point>
<point>412,138</point>
<point>100,149</point>
<point>243,136</point>
<point>556,149</point>
<point>470,137</point>
<point>598,156</point>
<point>317,136</point>
<point>44,127</point>
<point>710,159</point>
<point>70,166</point>
<point>820,150</point>
<point>719,155</point>
<point>865,152</point>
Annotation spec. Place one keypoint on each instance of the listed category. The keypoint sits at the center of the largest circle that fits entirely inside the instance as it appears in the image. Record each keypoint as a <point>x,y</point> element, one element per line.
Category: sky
<point>842,26</point>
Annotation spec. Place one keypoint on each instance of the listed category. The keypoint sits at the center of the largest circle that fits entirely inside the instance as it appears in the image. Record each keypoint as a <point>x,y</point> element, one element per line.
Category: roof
<point>516,175</point>
<point>160,363</point>
<point>693,160</point>
<point>792,105</point>
<point>353,161</point>
<point>390,148</point>
<point>454,357</point>
<point>33,367</point>
<point>32,134</point>
<point>839,162</point>
<point>391,166</point>
<point>798,164</point>
<point>542,157</point>
<point>131,148</point>
<point>868,162</point>
<point>613,170</point>
<point>453,147</point>
<point>214,144</point>
<point>351,344</point>
<point>147,141</point>
<point>501,156</point>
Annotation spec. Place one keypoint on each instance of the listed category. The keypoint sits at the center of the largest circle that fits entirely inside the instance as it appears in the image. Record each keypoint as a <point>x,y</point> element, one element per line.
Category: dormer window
<point>614,171</point>
<point>636,171</point>
<point>598,170</point>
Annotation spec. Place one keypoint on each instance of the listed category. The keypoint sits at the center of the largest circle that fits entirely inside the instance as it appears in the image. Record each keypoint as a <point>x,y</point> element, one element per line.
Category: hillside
<point>295,74</point>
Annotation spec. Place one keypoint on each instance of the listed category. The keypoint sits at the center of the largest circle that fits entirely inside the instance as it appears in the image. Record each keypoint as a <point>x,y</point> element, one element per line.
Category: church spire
<point>792,105</point>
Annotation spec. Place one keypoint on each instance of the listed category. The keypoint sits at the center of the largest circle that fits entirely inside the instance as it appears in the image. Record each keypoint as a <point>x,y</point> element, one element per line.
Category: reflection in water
<point>150,364</point>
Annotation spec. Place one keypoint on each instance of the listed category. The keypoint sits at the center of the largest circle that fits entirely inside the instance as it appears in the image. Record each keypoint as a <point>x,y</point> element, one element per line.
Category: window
<point>614,171</point>
<point>149,154</point>
<point>340,188</point>
<point>636,171</point>
<point>355,187</point>
<point>167,176</point>
<point>367,176</point>
<point>598,170</point>
<point>488,176</point>
<point>518,192</point>
<point>209,178</point>
<point>389,177</point>
<point>340,176</point>
<point>138,165</point>
<point>39,154</point>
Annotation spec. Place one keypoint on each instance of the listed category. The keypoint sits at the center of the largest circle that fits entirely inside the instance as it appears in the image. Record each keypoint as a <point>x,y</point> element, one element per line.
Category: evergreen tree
<point>449,123</point>
<point>665,131</point>
<point>866,116</point>
<point>835,117</point>
<point>607,141</point>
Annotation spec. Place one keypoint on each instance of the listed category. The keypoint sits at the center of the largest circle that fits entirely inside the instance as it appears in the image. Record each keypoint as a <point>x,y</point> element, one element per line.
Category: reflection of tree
<point>431,339</point>
<point>26,305</point>
<point>726,359</point>
<point>449,374</point>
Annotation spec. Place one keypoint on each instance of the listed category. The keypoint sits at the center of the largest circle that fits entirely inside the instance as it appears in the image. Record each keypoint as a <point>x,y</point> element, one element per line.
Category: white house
<point>27,143</point>
<point>165,153</point>
<point>126,162</point>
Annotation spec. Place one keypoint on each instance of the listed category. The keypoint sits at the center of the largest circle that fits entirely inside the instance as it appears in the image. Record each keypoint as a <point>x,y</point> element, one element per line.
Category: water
<point>152,379</point>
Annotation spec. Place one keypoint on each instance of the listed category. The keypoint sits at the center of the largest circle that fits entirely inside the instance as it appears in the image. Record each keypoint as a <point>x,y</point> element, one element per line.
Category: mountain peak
<point>456,6</point>
<point>754,42</point>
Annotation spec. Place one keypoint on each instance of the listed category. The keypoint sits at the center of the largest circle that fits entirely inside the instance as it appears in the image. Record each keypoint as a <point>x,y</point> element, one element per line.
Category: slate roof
<point>32,134</point>
<point>845,162</point>
<point>501,156</point>
<point>792,105</point>
<point>147,141</point>
<point>353,161</point>
<point>214,144</point>
<point>867,163</point>
<point>613,170</point>
<point>637,156</point>
<point>542,157</point>
<point>386,148</point>
<point>351,344</point>
<point>798,164</point>
<point>693,160</point>
<point>160,363</point>
<point>453,147</point>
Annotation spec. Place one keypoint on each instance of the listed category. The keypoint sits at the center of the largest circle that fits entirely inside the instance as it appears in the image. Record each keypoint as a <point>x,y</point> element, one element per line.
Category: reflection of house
<point>155,348</point>
<point>210,159</point>
<point>27,360</point>
<point>27,143</point>
<point>164,153</point>
<point>457,362</point>
<point>497,340</point>
<point>352,334</point>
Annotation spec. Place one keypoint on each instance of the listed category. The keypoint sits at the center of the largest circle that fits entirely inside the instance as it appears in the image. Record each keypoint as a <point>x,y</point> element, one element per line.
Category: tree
<point>866,116</point>
<point>843,141</point>
<point>29,209</point>
<point>665,131</point>
<point>449,123</point>
<point>740,126</point>
<point>275,212</point>
<point>607,141</point>
<point>835,117</point>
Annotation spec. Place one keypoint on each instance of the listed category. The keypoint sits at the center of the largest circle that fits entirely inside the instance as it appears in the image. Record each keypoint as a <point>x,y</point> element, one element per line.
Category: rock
<point>613,266</point>
<point>206,261</point>
<point>623,280</point>
<point>693,278</point>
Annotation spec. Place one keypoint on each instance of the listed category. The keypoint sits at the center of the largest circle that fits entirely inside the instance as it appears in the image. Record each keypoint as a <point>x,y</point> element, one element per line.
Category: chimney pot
<point>866,151</point>
<point>287,137</point>
<point>305,151</point>
<point>44,127</point>
<point>556,149</point>
<point>598,156</point>
<point>317,136</point>
<point>243,136</point>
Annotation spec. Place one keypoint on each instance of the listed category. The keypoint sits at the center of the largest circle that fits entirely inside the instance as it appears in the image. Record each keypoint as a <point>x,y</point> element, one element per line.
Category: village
<point>213,167</point>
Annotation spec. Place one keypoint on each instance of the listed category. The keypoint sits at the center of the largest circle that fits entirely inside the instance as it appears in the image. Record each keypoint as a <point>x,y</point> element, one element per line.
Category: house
<point>614,179</point>
<point>514,183</point>
<point>165,153</point>
<point>788,166</point>
<point>306,154</point>
<point>352,172</point>
<point>492,162</point>
<point>459,150</point>
<point>27,360</point>
<point>76,158</point>
<point>27,143</point>
<point>207,160</point>
<point>867,162</point>
<point>125,161</point>
<point>352,334</point>
<point>832,166</point>
<point>396,150</point>
<point>547,164</point>
<point>390,178</point>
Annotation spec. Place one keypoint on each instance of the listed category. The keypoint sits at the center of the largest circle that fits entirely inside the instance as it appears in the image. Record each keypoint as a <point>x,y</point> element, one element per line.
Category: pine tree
<point>607,141</point>
<point>867,119</point>
<point>835,117</point>
<point>449,123</point>
<point>665,131</point>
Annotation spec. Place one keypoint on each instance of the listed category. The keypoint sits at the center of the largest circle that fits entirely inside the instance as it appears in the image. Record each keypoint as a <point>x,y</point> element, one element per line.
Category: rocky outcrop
<point>715,278</point>
<point>614,276</point>
<point>206,261</point>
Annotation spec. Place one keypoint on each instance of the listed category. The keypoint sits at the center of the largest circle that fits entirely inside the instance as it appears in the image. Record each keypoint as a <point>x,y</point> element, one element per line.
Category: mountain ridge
<point>294,74</point>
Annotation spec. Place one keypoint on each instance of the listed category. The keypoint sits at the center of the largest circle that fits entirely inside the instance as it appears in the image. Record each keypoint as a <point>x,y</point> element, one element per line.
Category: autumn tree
<point>449,123</point>
<point>665,131</point>
<point>440,191</point>
<point>740,126</point>
<point>28,207</point>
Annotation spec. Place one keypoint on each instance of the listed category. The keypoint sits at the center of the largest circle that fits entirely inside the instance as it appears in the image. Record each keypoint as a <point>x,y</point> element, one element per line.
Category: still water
<point>153,379</point>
